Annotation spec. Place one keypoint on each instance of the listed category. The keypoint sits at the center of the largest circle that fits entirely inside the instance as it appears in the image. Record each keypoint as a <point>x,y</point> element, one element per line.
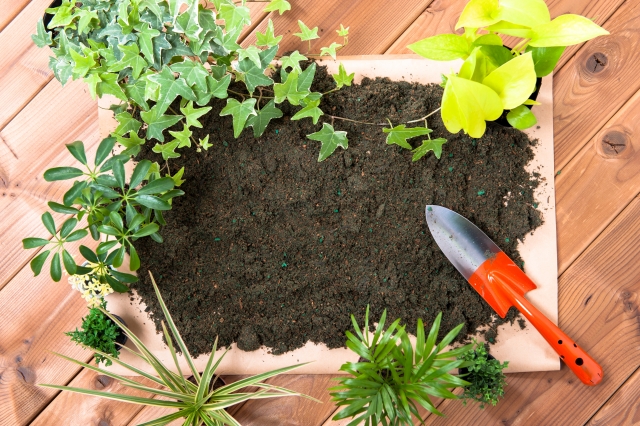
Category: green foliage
<point>487,381</point>
<point>99,333</point>
<point>399,134</point>
<point>196,403</point>
<point>342,78</point>
<point>434,145</point>
<point>330,139</point>
<point>394,377</point>
<point>306,34</point>
<point>492,77</point>
<point>280,5</point>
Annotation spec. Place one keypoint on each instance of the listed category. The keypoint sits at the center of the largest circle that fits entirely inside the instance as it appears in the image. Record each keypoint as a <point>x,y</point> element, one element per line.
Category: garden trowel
<point>502,284</point>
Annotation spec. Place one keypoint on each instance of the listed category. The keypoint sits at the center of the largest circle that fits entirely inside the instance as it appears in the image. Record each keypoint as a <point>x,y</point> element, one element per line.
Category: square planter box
<point>525,349</point>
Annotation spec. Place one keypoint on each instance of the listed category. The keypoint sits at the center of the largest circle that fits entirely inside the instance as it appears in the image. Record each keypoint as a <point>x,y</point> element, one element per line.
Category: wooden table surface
<point>597,123</point>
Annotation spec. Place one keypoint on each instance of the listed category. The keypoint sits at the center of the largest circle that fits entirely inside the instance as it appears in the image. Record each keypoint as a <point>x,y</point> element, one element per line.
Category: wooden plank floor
<point>598,211</point>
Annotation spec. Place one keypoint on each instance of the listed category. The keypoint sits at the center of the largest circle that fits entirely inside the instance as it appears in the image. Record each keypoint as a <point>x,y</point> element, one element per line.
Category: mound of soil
<point>270,247</point>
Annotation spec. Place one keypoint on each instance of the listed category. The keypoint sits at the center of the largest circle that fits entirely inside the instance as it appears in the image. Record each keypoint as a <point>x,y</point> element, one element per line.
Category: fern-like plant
<point>487,381</point>
<point>393,376</point>
<point>98,332</point>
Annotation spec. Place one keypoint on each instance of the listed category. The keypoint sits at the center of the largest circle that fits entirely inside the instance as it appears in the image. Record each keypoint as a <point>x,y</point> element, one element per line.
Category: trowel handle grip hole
<point>577,359</point>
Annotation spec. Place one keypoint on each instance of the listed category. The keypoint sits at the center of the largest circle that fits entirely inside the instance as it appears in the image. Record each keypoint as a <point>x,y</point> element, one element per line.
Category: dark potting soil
<point>270,247</point>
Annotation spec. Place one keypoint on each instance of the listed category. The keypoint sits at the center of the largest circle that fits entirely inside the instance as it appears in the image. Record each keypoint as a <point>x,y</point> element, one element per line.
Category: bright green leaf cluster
<point>393,377</point>
<point>487,381</point>
<point>99,333</point>
<point>492,77</point>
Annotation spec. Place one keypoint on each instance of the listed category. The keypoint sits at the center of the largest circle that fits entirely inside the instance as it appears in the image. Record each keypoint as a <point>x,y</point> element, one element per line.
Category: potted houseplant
<point>393,376</point>
<point>494,78</point>
<point>100,333</point>
<point>484,374</point>
<point>198,403</point>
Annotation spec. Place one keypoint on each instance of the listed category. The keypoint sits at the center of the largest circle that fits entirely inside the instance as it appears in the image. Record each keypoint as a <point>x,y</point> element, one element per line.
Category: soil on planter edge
<point>270,247</point>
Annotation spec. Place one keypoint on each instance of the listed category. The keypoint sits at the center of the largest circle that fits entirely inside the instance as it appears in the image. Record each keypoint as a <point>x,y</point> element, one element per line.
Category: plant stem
<point>425,117</point>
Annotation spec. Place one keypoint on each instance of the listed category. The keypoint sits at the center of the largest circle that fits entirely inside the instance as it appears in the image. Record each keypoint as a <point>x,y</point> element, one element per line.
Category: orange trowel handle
<point>576,358</point>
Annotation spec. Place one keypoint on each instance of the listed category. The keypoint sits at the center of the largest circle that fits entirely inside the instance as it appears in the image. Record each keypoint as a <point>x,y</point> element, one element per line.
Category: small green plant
<point>99,333</point>
<point>487,381</point>
<point>493,77</point>
<point>393,376</point>
<point>197,403</point>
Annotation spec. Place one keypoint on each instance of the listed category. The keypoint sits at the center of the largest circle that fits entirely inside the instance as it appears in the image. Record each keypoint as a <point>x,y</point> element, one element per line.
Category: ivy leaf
<point>136,92</point>
<point>467,104</point>
<point>434,145</point>
<point>521,118</point>
<point>192,114</point>
<point>252,53</point>
<point>217,88</point>
<point>107,83</point>
<point>289,90</point>
<point>331,50</point>
<point>235,17</point>
<point>146,34</point>
<point>193,72</point>
<point>62,68</point>
<point>62,15</point>
<point>293,61</point>
<point>240,112</point>
<point>187,21</point>
<point>342,78</point>
<point>343,32</point>
<point>261,120</point>
<point>514,81</point>
<point>398,135</point>
<point>254,77</point>
<point>42,38</point>
<point>126,124</point>
<point>86,18</point>
<point>330,140</point>
<point>566,30</point>
<point>310,110</point>
<point>268,38</point>
<point>167,150</point>
<point>132,143</point>
<point>157,122</point>
<point>82,63</point>
<point>306,78</point>
<point>204,143</point>
<point>280,5</point>
<point>443,47</point>
<point>160,44</point>
<point>170,89</point>
<point>183,137</point>
<point>306,33</point>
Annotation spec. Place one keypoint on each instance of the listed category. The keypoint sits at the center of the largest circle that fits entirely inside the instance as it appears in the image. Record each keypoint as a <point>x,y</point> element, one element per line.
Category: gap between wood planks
<point>612,399</point>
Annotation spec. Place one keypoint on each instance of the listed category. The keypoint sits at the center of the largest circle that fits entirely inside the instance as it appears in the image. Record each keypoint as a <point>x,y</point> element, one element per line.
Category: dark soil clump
<point>270,247</point>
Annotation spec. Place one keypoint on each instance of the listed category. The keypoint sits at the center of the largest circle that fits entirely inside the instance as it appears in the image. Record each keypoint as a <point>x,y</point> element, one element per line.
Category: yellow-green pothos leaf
<point>443,47</point>
<point>521,117</point>
<point>434,145</point>
<point>508,28</point>
<point>477,66</point>
<point>514,81</point>
<point>330,140</point>
<point>467,104</point>
<point>566,30</point>
<point>479,13</point>
<point>529,13</point>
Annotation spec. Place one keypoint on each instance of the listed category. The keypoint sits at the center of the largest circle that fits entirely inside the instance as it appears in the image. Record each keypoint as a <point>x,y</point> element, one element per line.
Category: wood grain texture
<point>34,313</point>
<point>585,98</point>
<point>92,410</point>
<point>599,297</point>
<point>623,409</point>
<point>291,411</point>
<point>10,9</point>
<point>598,183</point>
<point>34,141</point>
<point>374,24</point>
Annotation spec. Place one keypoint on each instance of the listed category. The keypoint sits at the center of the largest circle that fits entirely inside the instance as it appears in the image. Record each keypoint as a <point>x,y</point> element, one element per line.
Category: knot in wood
<point>101,382</point>
<point>596,62</point>
<point>614,143</point>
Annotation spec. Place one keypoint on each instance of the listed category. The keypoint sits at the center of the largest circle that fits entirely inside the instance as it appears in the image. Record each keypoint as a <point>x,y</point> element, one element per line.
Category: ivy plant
<point>164,61</point>
<point>393,376</point>
<point>494,78</point>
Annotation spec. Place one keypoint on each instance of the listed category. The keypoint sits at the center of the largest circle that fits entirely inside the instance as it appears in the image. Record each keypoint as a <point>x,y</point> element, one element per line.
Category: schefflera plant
<point>493,77</point>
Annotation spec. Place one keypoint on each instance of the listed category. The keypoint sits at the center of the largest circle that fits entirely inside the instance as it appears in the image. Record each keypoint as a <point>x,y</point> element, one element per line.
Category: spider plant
<point>195,403</point>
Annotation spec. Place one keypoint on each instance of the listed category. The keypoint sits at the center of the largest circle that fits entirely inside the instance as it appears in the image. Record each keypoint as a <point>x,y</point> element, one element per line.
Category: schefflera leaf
<point>514,81</point>
<point>467,105</point>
